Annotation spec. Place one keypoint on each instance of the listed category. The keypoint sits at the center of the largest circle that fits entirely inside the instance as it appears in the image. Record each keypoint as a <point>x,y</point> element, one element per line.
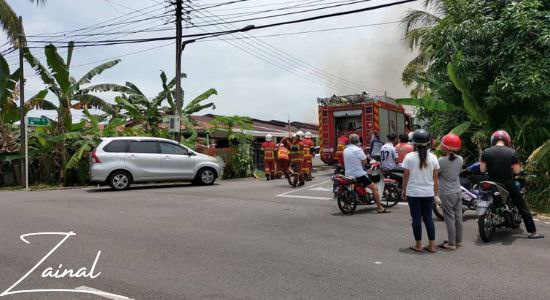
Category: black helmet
<point>421,137</point>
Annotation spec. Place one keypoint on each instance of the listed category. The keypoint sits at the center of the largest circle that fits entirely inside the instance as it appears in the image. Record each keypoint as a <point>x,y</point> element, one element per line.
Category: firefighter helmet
<point>268,137</point>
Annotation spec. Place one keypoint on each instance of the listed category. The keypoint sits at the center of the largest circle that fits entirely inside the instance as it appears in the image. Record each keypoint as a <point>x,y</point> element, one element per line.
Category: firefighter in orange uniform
<point>268,147</point>
<point>283,160</point>
<point>308,156</point>
<point>342,142</point>
<point>296,147</point>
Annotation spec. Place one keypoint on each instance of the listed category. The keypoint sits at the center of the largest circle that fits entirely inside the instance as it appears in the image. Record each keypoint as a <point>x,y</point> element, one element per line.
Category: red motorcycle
<point>350,193</point>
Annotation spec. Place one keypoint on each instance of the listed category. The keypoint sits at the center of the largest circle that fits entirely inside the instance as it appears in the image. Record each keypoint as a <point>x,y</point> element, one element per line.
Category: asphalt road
<point>249,239</point>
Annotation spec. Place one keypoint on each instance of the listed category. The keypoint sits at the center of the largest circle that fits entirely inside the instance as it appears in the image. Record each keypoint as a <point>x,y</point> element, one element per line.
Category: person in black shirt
<point>502,164</point>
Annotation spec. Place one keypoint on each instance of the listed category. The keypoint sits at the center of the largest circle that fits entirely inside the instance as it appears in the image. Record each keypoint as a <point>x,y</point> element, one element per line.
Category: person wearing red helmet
<point>450,192</point>
<point>502,164</point>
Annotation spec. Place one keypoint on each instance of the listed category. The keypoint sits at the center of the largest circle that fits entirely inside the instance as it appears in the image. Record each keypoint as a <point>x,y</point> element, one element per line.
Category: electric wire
<point>295,62</point>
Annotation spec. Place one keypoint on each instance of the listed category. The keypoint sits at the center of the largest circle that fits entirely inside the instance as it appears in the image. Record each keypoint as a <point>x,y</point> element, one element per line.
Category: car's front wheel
<point>119,180</point>
<point>206,176</point>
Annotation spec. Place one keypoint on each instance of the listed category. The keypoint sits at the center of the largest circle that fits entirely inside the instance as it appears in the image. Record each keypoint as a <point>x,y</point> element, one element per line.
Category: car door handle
<point>132,157</point>
<point>167,157</point>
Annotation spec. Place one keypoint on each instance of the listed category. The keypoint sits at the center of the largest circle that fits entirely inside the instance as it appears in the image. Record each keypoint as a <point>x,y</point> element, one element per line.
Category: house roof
<point>261,127</point>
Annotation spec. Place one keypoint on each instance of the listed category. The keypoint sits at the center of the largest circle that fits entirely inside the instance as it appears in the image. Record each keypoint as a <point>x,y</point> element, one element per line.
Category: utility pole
<point>179,32</point>
<point>23,125</point>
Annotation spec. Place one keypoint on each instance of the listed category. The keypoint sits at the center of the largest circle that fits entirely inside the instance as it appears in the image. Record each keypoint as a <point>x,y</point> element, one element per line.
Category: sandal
<point>535,236</point>
<point>429,250</point>
<point>413,248</point>
<point>385,211</point>
<point>446,246</point>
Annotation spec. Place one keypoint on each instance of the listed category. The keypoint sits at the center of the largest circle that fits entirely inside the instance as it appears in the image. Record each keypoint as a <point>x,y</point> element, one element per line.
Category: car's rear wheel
<point>205,176</point>
<point>119,180</point>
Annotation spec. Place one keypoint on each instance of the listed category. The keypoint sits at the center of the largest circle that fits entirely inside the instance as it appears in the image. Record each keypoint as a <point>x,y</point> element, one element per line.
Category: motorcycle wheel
<point>438,211</point>
<point>486,226</point>
<point>347,203</point>
<point>391,196</point>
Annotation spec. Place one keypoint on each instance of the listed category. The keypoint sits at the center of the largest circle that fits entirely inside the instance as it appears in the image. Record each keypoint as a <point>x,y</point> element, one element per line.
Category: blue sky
<point>372,57</point>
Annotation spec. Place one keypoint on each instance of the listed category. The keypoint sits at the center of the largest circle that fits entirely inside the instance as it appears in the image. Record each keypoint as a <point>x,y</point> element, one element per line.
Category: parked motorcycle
<point>469,178</point>
<point>349,193</point>
<point>495,209</point>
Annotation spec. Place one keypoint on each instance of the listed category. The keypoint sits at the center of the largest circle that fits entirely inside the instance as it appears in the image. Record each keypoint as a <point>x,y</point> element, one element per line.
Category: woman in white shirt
<point>420,187</point>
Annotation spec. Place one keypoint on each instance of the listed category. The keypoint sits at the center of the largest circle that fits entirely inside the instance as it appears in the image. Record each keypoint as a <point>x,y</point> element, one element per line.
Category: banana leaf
<point>428,103</point>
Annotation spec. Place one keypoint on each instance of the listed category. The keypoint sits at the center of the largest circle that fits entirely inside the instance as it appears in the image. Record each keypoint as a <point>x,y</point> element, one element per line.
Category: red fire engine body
<point>360,114</point>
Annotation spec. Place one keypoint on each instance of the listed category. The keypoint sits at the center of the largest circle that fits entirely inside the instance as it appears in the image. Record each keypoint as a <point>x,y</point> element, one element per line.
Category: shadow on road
<point>360,211</point>
<point>503,237</point>
<point>146,187</point>
<point>411,252</point>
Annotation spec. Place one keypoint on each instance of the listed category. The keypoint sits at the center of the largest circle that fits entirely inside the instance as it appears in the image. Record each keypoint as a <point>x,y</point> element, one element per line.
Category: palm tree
<point>10,22</point>
<point>66,88</point>
<point>416,25</point>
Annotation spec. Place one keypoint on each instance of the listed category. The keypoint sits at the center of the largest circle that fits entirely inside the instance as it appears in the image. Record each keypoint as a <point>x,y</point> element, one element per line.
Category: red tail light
<point>94,157</point>
<point>485,186</point>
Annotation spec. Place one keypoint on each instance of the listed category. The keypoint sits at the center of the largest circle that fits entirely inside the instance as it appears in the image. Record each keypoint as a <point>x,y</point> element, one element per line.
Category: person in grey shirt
<point>450,191</point>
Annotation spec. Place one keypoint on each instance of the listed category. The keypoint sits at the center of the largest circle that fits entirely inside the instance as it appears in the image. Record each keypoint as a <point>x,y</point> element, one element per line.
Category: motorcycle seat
<point>349,178</point>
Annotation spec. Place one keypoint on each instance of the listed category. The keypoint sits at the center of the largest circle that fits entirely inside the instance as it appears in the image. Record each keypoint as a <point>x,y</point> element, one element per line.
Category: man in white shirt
<point>354,160</point>
<point>388,155</point>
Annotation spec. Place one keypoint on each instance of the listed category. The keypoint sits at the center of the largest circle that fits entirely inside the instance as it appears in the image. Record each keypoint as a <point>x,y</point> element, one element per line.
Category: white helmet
<point>411,136</point>
<point>308,135</point>
<point>293,135</point>
<point>268,137</point>
<point>300,134</point>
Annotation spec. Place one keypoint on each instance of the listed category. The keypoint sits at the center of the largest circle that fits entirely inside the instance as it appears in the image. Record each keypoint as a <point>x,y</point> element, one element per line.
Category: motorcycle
<point>469,179</point>
<point>349,193</point>
<point>495,209</point>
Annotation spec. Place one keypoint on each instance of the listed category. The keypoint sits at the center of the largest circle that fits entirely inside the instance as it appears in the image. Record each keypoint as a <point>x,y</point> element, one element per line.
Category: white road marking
<point>321,189</point>
<point>377,262</point>
<point>305,197</point>
<point>304,188</point>
<point>102,293</point>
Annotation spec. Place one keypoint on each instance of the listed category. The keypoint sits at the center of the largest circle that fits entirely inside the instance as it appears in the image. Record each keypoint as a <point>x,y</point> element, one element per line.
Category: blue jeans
<point>421,209</point>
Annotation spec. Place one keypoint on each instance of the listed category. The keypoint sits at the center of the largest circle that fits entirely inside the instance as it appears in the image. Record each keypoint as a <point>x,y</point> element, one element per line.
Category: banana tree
<point>89,137</point>
<point>151,113</point>
<point>477,119</point>
<point>9,109</point>
<point>69,91</point>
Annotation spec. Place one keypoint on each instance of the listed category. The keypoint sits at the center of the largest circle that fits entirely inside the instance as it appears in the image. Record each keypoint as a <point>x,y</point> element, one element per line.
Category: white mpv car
<point>119,161</point>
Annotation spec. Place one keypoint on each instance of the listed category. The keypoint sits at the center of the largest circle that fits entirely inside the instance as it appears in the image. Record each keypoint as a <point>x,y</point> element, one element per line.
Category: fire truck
<point>361,114</point>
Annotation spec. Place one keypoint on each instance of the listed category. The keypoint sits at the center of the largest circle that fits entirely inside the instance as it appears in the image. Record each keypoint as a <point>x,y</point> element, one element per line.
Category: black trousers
<point>519,202</point>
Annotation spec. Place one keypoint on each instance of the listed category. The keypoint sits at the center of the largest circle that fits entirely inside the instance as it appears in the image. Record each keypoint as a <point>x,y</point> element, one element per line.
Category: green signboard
<point>37,121</point>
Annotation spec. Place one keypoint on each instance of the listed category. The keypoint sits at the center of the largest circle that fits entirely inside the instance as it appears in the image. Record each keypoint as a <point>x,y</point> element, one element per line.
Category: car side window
<point>119,146</point>
<point>169,148</point>
<point>150,147</point>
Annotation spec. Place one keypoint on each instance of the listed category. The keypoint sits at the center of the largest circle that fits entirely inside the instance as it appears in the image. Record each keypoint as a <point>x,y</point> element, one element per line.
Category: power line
<point>145,40</point>
<point>296,12</point>
<point>293,61</point>
<point>307,31</point>
<point>282,63</point>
